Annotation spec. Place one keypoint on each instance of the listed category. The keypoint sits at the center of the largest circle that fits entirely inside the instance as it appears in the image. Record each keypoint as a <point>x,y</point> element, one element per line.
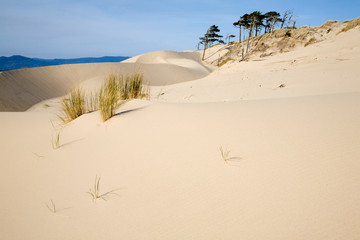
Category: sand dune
<point>327,67</point>
<point>20,89</point>
<point>292,173</point>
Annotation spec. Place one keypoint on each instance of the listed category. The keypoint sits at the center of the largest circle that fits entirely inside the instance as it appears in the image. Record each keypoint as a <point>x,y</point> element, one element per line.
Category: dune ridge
<point>20,89</point>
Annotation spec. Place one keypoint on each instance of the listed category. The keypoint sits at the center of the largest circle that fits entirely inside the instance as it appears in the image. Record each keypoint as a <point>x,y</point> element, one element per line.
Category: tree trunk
<point>248,41</point>
<point>240,35</point>
<point>203,56</point>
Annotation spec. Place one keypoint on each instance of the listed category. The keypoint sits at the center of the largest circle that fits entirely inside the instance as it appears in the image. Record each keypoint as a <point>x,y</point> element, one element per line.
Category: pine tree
<point>210,37</point>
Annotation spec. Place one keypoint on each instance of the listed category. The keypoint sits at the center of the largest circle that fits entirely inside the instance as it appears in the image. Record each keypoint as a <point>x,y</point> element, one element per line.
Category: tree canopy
<point>211,36</point>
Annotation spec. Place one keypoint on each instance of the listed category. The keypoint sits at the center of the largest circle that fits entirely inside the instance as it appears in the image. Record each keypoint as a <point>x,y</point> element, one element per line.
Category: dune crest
<point>22,88</point>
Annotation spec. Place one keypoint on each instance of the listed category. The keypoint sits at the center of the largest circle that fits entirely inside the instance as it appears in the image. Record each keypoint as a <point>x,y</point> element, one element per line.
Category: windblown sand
<point>294,154</point>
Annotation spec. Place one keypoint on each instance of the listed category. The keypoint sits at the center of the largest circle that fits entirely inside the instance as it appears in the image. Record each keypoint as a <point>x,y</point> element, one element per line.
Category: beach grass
<point>119,88</point>
<point>350,25</point>
<point>311,41</point>
<point>73,105</point>
<point>109,97</point>
<point>51,207</point>
<point>95,192</point>
<point>55,141</point>
<point>116,89</point>
<point>224,153</point>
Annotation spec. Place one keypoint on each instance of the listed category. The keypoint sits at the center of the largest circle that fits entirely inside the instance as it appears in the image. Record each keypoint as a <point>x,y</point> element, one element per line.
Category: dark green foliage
<point>211,37</point>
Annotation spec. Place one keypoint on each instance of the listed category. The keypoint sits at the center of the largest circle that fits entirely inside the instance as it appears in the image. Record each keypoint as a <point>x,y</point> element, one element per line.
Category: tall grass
<point>132,86</point>
<point>109,97</point>
<point>92,102</point>
<point>116,89</point>
<point>73,105</point>
<point>119,88</point>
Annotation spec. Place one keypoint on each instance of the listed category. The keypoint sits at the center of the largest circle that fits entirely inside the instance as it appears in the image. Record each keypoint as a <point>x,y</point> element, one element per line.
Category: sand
<point>293,172</point>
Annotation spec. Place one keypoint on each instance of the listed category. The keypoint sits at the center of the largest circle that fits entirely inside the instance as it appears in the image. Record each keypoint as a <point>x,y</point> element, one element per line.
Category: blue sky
<point>94,28</point>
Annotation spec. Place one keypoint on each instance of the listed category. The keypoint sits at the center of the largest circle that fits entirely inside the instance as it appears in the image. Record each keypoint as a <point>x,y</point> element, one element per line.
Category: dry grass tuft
<point>350,25</point>
<point>73,105</point>
<point>92,102</point>
<point>311,41</point>
<point>118,88</point>
<point>328,24</point>
<point>132,86</point>
<point>225,61</point>
<point>114,91</point>
<point>109,97</point>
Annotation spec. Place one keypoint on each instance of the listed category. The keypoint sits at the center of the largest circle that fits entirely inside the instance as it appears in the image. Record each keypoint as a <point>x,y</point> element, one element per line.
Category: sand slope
<point>327,67</point>
<point>296,176</point>
<point>294,154</point>
<point>20,89</point>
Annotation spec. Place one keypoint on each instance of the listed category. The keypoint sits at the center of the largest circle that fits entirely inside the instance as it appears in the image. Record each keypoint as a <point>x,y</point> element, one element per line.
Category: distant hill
<point>18,61</point>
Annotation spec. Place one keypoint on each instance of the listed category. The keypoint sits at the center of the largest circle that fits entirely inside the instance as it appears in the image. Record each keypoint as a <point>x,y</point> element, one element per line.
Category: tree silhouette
<point>286,18</point>
<point>210,37</point>
<point>271,18</point>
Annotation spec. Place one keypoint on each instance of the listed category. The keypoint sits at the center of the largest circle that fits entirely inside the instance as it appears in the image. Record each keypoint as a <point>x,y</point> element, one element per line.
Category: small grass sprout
<point>225,155</point>
<point>51,207</point>
<point>95,192</point>
<point>55,142</point>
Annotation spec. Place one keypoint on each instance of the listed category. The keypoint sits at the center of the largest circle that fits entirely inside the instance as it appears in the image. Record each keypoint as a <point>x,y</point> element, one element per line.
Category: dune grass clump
<point>350,25</point>
<point>311,41</point>
<point>92,102</point>
<point>73,105</point>
<point>109,97</point>
<point>119,88</point>
<point>328,24</point>
<point>132,86</point>
<point>225,61</point>
<point>113,92</point>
